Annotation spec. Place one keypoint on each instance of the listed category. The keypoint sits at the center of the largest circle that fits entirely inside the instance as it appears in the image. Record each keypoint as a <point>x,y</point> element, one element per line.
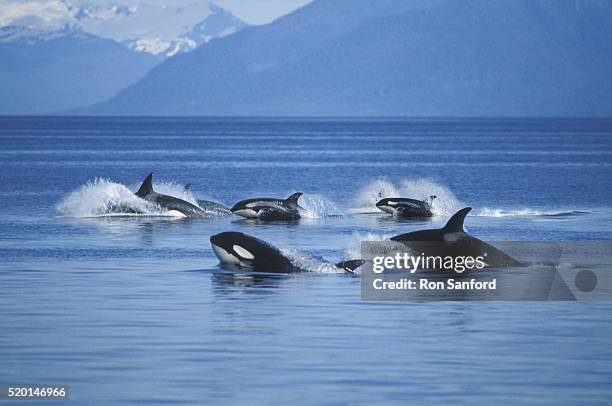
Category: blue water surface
<point>135,310</point>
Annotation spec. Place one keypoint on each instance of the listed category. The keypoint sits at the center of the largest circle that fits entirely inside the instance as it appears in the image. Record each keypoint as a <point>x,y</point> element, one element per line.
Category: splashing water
<point>309,263</point>
<point>317,206</point>
<point>367,196</point>
<point>102,197</point>
<point>445,204</point>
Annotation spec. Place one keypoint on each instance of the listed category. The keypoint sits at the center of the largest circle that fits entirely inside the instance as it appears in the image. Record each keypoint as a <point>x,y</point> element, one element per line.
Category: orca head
<point>388,205</point>
<point>234,248</point>
<point>261,207</point>
<point>246,208</point>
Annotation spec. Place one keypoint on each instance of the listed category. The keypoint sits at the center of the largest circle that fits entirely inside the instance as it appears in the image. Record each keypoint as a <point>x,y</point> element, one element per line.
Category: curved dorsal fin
<point>293,199</point>
<point>455,224</point>
<point>146,187</point>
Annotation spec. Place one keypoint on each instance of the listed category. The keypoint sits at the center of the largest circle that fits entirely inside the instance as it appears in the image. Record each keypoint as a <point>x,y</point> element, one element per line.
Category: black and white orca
<point>452,240</point>
<point>240,250</point>
<point>266,208</point>
<point>174,205</point>
<point>403,207</point>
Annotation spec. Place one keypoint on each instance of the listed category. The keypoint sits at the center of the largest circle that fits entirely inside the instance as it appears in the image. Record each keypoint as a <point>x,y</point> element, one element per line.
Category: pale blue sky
<point>250,11</point>
<point>261,11</point>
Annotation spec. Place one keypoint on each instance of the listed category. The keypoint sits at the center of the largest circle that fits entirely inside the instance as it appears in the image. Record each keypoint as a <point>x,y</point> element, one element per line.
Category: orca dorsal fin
<point>146,187</point>
<point>351,265</point>
<point>293,199</point>
<point>455,224</point>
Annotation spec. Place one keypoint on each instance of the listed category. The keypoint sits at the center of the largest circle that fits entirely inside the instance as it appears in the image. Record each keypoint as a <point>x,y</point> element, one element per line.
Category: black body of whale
<point>403,207</point>
<point>241,250</point>
<point>266,208</point>
<point>451,240</point>
<point>170,203</point>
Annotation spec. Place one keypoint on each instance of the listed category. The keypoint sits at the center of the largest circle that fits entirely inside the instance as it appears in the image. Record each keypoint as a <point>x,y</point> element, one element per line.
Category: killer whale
<point>452,240</point>
<point>266,208</point>
<point>240,250</point>
<point>174,205</point>
<point>403,207</point>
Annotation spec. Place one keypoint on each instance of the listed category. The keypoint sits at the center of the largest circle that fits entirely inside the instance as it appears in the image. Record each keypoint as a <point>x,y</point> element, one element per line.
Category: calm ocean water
<point>132,310</point>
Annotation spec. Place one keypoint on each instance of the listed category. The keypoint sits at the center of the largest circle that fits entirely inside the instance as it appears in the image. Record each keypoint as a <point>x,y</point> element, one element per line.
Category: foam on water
<point>309,263</point>
<point>368,195</point>
<point>317,206</point>
<point>105,198</point>
<point>445,204</point>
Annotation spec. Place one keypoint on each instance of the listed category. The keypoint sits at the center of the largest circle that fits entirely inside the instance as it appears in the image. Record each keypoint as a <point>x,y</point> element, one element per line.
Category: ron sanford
<point>426,284</point>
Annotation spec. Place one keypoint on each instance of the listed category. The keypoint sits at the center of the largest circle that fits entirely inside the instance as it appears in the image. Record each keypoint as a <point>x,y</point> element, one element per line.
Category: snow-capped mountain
<point>218,23</point>
<point>18,34</point>
<point>140,26</point>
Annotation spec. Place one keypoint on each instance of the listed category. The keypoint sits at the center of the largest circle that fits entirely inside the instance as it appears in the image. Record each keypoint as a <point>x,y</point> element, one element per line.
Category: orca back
<point>452,240</point>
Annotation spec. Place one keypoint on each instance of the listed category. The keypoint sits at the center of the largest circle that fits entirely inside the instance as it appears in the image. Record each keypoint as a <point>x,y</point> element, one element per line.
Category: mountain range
<point>56,55</point>
<point>328,58</point>
<point>140,26</point>
<point>394,58</point>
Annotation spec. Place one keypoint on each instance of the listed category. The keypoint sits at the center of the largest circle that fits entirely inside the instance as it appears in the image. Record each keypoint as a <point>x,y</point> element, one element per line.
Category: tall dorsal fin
<point>455,224</point>
<point>146,187</point>
<point>293,199</point>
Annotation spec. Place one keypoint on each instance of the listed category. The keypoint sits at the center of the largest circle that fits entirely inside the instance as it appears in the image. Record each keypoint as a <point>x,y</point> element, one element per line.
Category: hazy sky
<point>261,11</point>
<point>250,11</point>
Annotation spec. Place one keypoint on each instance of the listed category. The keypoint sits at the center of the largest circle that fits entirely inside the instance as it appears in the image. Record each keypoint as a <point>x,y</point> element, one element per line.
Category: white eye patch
<point>244,253</point>
<point>391,203</point>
